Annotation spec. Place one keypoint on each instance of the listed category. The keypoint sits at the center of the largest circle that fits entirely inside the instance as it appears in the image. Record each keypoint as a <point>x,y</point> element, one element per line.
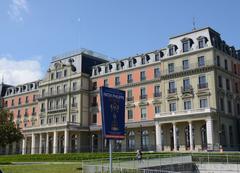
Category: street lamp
<point>93,142</point>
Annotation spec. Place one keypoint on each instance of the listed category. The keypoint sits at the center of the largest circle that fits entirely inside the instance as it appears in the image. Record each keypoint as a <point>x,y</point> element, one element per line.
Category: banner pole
<point>110,154</point>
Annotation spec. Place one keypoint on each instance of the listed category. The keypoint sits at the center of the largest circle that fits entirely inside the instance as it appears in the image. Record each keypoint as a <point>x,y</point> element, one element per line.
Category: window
<point>63,118</point>
<point>157,57</point>
<point>228,84</point>
<point>157,92</point>
<point>43,92</point>
<point>143,113</point>
<point>172,88</point>
<point>186,84</point>
<point>94,103</point>
<point>129,78</point>
<point>131,140</point>
<point>42,121</point>
<point>202,82</point>
<point>26,99</point>
<point>129,95</point>
<point>201,61</point>
<point>19,114</point>
<point>56,119</point>
<point>74,86</point>
<point>142,76</point>
<point>172,107</point>
<point>226,64</point>
<point>143,60</point>
<point>203,103</point>
<point>33,111</point>
<point>201,43</point>
<point>143,93</point>
<point>74,101</point>
<point>229,106</point>
<point>58,74</point>
<point>65,73</point>
<point>34,98</point>
<point>12,102</point>
<point>236,88</point>
<point>94,85</point>
<point>51,90</point>
<point>94,118</point>
<point>52,76</point>
<point>187,105</point>
<point>106,69</point>
<point>145,139</point>
<point>171,68</point>
<point>130,114</point>
<point>185,64</point>
<point>117,80</point>
<point>49,120</point>
<point>218,61</point>
<point>64,101</point>
<point>186,46</point>
<point>238,109</point>
<point>74,118</point>
<point>19,101</point>
<point>171,50</point>
<point>157,109</point>
<point>58,89</point>
<point>157,72</point>
<point>42,107</point>
<point>222,106</point>
<point>64,88</point>
<point>130,63</point>
<point>105,82</point>
<point>220,81</point>
<point>117,66</point>
<point>26,112</point>
<point>235,68</point>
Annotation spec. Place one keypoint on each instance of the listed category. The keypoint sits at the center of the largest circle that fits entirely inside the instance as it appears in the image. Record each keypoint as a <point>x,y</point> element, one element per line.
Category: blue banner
<point>113,112</point>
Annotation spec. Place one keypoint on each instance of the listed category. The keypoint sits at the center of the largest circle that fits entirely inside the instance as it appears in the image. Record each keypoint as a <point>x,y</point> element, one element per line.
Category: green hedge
<point>198,157</point>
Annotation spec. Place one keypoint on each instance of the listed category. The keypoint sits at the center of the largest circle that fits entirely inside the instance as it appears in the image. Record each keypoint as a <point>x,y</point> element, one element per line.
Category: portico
<point>181,131</point>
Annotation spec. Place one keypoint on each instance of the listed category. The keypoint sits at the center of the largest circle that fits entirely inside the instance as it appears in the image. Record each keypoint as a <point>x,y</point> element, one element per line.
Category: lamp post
<point>93,142</point>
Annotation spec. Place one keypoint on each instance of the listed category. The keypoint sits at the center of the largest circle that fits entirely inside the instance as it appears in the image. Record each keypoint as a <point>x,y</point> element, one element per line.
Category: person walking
<point>139,155</point>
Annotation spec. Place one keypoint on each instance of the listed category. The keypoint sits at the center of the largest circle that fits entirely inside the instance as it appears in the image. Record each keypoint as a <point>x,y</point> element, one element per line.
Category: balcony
<point>157,94</point>
<point>74,105</point>
<point>129,99</point>
<point>172,91</point>
<point>143,78</point>
<point>59,108</point>
<point>202,85</point>
<point>130,81</point>
<point>42,110</point>
<point>188,89</point>
<point>143,97</point>
<point>185,112</point>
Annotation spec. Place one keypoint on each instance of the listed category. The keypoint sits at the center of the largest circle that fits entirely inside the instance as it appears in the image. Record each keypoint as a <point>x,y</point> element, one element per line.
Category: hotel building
<point>184,97</point>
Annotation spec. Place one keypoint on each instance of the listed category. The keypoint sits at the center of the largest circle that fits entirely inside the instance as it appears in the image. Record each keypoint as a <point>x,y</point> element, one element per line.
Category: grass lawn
<point>43,168</point>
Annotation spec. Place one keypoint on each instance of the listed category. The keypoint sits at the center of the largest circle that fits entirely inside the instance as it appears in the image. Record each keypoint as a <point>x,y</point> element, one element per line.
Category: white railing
<point>186,112</point>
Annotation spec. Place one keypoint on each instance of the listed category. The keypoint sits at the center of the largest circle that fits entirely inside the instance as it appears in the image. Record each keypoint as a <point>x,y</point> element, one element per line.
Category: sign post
<point>113,116</point>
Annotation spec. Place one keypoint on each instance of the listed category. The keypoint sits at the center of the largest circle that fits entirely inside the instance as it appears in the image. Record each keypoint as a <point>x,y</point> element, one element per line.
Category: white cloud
<point>17,8</point>
<point>19,72</point>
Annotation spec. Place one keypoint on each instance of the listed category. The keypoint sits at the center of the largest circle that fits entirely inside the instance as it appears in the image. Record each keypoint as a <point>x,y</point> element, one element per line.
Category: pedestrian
<point>139,155</point>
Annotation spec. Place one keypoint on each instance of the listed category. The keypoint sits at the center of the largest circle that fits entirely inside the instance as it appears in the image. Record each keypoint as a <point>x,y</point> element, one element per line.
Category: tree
<point>9,132</point>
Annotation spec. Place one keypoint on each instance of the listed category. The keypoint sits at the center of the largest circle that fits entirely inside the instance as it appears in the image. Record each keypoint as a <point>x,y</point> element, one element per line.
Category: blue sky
<point>32,31</point>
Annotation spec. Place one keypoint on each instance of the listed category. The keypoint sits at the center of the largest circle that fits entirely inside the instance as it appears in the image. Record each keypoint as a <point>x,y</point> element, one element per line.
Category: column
<point>158,130</point>
<point>174,137</point>
<point>209,128</point>
<point>47,143</point>
<point>40,143</point>
<point>24,146</point>
<point>55,142</point>
<point>33,144</point>
<point>190,135</point>
<point>66,141</point>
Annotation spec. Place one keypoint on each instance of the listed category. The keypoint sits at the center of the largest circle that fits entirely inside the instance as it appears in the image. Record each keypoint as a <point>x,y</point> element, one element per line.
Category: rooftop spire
<point>194,24</point>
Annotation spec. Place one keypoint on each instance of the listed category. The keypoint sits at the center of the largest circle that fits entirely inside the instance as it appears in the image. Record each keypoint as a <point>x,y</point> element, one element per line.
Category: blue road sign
<point>113,112</point>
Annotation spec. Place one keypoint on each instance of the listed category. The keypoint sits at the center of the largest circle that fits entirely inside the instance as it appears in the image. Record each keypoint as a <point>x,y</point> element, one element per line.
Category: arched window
<point>131,140</point>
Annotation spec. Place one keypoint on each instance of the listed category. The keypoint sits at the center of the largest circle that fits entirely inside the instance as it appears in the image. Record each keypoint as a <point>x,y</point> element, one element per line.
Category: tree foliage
<point>9,133</point>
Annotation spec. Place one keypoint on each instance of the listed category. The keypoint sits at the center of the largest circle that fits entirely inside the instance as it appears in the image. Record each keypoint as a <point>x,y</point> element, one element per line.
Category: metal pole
<point>110,155</point>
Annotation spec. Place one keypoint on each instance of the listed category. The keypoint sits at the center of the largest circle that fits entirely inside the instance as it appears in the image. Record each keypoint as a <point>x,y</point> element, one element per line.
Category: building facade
<point>184,97</point>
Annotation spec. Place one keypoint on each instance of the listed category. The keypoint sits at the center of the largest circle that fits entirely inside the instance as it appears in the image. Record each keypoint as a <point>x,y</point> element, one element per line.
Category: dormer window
<point>117,66</point>
<point>95,71</point>
<point>172,49</point>
<point>143,60</point>
<point>202,42</point>
<point>130,63</point>
<point>106,69</point>
<point>186,44</point>
<point>157,57</point>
